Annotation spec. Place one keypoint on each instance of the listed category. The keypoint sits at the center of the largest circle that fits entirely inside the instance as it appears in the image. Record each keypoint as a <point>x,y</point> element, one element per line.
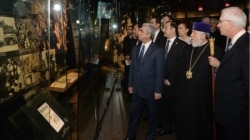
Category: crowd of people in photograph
<point>170,67</point>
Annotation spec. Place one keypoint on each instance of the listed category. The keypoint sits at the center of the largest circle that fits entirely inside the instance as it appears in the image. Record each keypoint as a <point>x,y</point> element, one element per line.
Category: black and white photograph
<point>104,10</point>
<point>8,40</point>
<point>11,77</point>
<point>30,64</point>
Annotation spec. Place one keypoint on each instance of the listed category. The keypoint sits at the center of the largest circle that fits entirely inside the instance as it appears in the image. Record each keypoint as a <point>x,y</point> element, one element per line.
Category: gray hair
<point>205,20</point>
<point>236,15</point>
<point>149,29</point>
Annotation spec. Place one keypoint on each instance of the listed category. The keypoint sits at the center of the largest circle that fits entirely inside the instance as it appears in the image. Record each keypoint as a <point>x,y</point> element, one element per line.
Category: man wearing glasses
<point>232,78</point>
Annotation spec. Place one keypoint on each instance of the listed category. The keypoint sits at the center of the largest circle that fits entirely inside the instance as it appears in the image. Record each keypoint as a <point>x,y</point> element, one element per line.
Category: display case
<point>50,56</point>
<point>36,52</point>
<point>34,45</point>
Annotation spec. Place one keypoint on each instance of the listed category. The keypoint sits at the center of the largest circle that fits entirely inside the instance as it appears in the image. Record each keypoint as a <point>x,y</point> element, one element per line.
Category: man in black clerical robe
<point>194,85</point>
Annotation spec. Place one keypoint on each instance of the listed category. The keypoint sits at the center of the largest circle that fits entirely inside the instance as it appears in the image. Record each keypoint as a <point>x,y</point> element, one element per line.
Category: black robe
<point>194,96</point>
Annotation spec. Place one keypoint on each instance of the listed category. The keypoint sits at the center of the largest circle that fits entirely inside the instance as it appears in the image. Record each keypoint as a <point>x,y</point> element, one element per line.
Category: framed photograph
<point>8,31</point>
<point>11,78</point>
<point>104,10</point>
<point>30,63</point>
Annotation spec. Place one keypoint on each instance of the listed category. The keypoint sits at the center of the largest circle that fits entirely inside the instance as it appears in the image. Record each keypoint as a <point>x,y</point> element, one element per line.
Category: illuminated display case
<point>36,50</point>
<point>44,54</point>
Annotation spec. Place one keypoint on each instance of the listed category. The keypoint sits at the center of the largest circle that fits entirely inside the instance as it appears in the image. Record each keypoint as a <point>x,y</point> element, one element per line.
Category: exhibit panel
<point>33,36</point>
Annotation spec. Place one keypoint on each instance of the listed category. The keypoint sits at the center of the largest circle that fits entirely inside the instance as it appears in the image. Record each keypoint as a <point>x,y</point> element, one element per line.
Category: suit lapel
<point>158,36</point>
<point>147,53</point>
<point>230,53</point>
<point>172,48</point>
<point>138,47</point>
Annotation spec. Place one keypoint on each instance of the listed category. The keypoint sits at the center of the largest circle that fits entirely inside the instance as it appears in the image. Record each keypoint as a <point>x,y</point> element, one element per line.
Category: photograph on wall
<point>104,10</point>
<point>28,36</point>
<point>30,65</point>
<point>58,36</point>
<point>32,26</point>
<point>8,39</point>
<point>40,31</point>
<point>25,22</point>
<point>48,67</point>
<point>11,77</point>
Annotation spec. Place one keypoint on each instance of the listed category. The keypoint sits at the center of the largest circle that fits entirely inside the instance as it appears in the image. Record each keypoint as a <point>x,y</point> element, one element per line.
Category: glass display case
<point>34,45</point>
<point>38,68</point>
<point>50,56</point>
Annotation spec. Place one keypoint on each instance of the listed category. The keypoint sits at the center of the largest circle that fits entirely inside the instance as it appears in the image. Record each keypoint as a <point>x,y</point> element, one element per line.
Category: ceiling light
<point>200,7</point>
<point>227,4</point>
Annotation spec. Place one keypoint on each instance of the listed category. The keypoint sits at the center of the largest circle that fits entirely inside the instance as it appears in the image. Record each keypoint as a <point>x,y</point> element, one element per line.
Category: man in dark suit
<point>173,54</point>
<point>232,78</point>
<point>220,40</point>
<point>128,43</point>
<point>146,79</point>
<point>159,38</point>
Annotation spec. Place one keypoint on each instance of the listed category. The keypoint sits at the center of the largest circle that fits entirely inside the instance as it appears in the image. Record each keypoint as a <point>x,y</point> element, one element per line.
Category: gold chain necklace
<point>189,73</point>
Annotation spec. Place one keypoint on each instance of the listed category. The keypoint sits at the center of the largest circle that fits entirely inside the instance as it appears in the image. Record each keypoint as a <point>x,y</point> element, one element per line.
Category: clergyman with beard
<point>194,86</point>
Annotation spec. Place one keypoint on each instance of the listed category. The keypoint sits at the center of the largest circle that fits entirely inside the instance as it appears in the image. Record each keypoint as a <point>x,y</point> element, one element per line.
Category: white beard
<point>197,43</point>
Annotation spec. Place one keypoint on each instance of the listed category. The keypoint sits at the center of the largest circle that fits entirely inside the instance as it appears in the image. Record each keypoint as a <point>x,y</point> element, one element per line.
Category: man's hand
<point>166,82</point>
<point>157,96</point>
<point>214,62</point>
<point>130,90</point>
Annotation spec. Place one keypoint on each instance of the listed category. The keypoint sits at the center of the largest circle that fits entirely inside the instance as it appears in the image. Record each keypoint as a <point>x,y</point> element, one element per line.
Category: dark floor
<point>106,118</point>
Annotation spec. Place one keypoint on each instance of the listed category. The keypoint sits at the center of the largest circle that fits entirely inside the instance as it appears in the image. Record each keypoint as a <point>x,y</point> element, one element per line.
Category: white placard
<point>48,113</point>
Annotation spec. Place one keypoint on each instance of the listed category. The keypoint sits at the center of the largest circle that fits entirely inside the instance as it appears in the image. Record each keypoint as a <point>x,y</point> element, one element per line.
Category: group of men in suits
<point>173,80</point>
<point>158,67</point>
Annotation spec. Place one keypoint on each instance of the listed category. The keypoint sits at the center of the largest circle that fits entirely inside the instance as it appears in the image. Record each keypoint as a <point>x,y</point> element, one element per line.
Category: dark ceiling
<point>142,8</point>
<point>128,6</point>
<point>192,5</point>
<point>178,5</point>
<point>165,6</point>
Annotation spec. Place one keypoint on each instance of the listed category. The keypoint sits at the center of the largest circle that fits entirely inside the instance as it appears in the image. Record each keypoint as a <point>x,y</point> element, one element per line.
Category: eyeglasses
<point>220,21</point>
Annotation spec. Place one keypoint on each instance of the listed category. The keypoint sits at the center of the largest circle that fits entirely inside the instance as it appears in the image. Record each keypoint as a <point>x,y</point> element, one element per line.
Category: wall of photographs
<point>33,45</point>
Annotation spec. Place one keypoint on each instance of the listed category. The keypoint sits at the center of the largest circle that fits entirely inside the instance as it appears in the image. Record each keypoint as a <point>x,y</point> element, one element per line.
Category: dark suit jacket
<point>173,59</point>
<point>146,77</point>
<point>128,43</point>
<point>232,85</point>
<point>160,40</point>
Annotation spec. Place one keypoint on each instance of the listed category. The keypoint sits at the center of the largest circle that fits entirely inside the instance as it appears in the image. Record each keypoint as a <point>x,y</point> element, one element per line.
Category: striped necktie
<point>229,47</point>
<point>141,53</point>
<point>166,48</point>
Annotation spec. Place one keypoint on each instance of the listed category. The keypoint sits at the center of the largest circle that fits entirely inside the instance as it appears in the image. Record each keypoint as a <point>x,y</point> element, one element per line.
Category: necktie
<point>166,48</point>
<point>229,47</point>
<point>141,53</point>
